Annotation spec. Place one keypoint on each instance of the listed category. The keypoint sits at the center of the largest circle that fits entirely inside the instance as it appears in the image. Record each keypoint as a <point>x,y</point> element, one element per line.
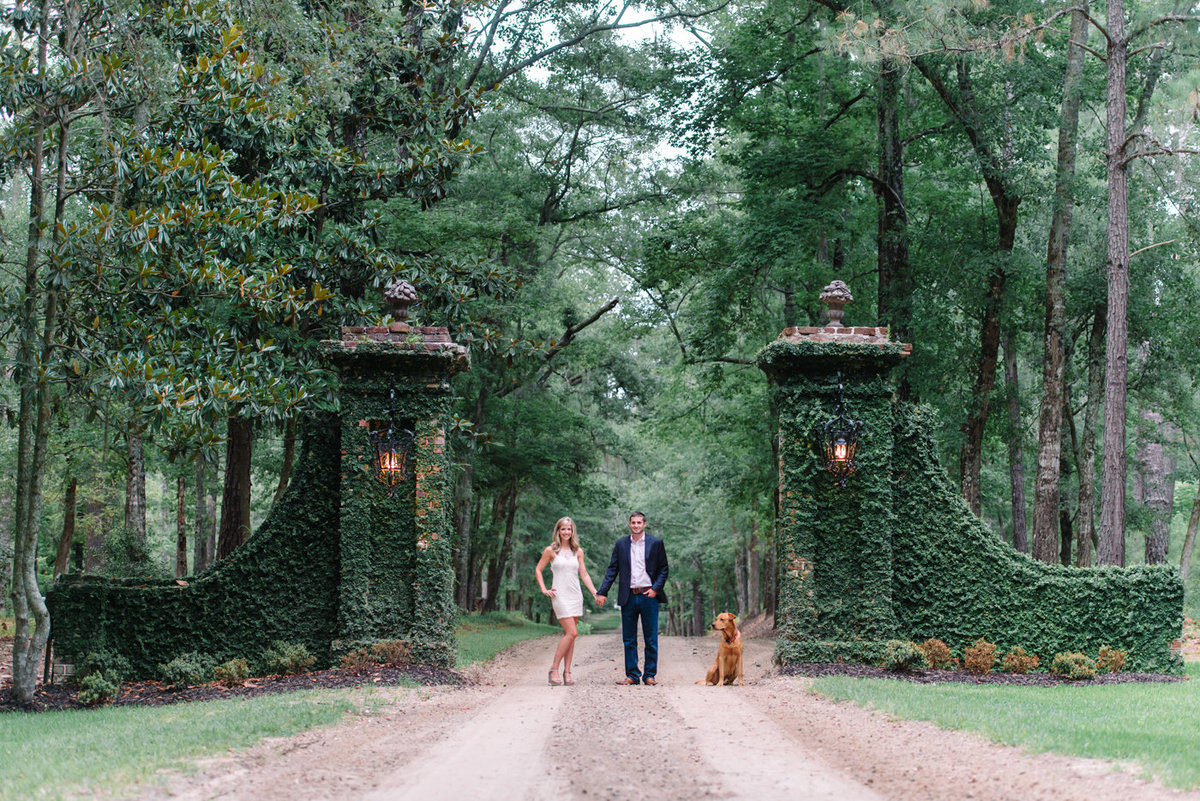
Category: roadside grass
<point>482,636</point>
<point>1155,726</point>
<point>63,754</point>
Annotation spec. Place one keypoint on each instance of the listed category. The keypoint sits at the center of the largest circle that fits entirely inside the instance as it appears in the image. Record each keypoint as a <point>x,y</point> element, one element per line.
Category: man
<point>641,562</point>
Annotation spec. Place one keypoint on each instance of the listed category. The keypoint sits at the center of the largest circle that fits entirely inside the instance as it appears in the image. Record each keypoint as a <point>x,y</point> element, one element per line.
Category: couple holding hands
<point>639,561</point>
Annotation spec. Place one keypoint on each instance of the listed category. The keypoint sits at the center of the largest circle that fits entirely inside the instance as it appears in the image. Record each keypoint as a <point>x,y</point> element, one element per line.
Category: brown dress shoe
<point>650,682</point>
<point>626,681</point>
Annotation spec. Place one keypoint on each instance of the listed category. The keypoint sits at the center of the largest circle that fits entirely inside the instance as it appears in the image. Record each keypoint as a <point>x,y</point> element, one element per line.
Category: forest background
<point>615,205</point>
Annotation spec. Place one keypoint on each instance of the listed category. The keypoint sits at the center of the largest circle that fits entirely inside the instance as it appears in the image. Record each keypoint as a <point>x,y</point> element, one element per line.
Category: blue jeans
<point>647,609</point>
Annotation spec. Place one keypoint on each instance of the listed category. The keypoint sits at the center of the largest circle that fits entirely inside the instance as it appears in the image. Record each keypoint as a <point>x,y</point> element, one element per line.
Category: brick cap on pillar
<point>399,340</point>
<point>804,348</point>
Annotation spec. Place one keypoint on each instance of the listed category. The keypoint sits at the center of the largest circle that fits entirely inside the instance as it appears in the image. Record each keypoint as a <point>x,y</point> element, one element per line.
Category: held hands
<point>599,599</point>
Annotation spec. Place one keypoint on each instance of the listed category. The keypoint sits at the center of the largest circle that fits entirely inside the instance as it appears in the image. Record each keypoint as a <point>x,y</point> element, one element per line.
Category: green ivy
<point>339,562</point>
<point>897,554</point>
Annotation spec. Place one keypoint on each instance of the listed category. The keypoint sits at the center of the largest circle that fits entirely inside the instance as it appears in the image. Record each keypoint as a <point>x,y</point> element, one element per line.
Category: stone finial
<point>400,295</point>
<point>835,296</point>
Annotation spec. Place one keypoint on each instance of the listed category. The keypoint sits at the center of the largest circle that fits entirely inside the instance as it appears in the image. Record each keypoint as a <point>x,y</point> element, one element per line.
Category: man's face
<point>637,525</point>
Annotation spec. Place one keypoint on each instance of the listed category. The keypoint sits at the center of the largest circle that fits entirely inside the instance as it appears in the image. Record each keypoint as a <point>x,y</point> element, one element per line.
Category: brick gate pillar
<point>834,543</point>
<point>397,578</point>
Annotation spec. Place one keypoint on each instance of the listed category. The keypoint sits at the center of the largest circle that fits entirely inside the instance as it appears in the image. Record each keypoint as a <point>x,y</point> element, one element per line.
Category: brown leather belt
<point>638,590</point>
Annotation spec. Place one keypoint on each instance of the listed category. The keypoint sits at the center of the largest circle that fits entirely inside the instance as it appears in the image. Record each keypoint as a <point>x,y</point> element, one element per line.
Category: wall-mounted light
<point>839,441</point>
<point>393,445</point>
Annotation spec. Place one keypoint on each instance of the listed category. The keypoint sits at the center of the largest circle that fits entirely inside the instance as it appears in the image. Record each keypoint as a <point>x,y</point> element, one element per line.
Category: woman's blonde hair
<point>574,541</point>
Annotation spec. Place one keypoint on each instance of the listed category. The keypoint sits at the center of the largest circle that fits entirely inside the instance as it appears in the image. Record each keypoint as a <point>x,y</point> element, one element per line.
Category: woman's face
<point>565,530</point>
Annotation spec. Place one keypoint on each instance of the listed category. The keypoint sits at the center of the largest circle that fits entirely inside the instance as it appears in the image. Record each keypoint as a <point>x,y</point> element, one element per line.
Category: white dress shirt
<point>638,577</point>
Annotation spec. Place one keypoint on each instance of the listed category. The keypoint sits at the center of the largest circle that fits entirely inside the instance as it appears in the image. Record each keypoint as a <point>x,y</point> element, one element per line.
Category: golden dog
<point>729,654</point>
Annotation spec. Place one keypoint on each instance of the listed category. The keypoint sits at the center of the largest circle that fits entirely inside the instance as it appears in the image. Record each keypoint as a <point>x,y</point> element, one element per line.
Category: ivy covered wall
<point>897,553</point>
<point>280,584</point>
<point>338,563</point>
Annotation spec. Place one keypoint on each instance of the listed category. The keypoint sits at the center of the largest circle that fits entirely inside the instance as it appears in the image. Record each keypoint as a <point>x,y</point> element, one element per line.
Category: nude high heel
<point>550,677</point>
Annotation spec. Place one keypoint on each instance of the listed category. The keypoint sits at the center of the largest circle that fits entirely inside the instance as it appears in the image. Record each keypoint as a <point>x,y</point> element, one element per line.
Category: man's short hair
<point>637,514</point>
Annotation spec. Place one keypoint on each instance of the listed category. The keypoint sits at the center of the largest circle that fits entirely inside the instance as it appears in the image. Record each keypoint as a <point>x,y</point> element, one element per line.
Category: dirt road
<point>514,738</point>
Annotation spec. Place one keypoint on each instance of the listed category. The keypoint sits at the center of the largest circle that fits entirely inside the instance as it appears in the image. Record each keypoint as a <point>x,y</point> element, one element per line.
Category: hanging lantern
<point>839,441</point>
<point>393,450</point>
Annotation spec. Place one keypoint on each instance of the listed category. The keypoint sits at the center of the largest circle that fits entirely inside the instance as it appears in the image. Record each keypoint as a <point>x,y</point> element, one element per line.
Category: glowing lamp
<point>839,441</point>
<point>393,451</point>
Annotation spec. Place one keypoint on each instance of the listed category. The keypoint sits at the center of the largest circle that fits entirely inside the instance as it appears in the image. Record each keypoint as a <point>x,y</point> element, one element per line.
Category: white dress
<point>568,597</point>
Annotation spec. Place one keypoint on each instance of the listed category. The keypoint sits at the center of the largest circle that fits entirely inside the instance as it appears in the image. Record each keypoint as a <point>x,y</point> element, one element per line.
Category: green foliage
<point>1073,666</point>
<point>127,555</point>
<point>896,554</point>
<point>281,584</point>
<point>233,672</point>
<point>980,657</point>
<point>109,663</point>
<point>284,658</point>
<point>188,670</point>
<point>1017,661</point>
<point>905,657</point>
<point>98,687</point>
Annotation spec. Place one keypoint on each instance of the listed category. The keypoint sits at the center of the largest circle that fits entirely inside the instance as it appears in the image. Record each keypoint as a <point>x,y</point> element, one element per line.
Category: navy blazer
<point>656,568</point>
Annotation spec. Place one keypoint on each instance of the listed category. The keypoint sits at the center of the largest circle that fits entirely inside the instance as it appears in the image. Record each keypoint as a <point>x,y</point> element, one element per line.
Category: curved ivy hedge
<point>280,585</point>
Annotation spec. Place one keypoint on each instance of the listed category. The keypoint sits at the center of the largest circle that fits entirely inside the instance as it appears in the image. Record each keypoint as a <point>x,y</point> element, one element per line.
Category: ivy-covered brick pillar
<point>397,578</point>
<point>834,538</point>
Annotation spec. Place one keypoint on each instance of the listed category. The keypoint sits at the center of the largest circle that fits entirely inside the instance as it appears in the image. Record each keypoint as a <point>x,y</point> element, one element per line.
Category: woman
<point>565,558</point>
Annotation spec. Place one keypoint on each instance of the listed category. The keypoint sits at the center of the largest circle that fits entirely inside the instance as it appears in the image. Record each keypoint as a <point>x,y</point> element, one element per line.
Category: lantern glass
<point>840,449</point>
<point>393,443</point>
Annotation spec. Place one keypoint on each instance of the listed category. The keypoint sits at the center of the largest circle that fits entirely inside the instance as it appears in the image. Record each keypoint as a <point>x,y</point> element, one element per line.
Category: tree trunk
<point>180,528</point>
<point>289,456</point>
<point>508,507</point>
<point>895,277</point>
<point>93,546</point>
<point>1189,539</point>
<point>753,564</point>
<point>463,491</point>
<point>1046,485</point>
<point>135,483</point>
<point>1154,483</point>
<point>62,559</point>
<point>1016,451</point>
<point>739,569</point>
<point>1087,443</point>
<point>32,619</point>
<point>699,619</point>
<point>1112,490</point>
<point>199,554</point>
<point>6,545</point>
<point>235,501</point>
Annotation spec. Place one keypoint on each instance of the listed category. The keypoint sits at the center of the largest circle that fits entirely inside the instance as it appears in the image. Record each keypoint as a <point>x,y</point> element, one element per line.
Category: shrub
<point>233,672</point>
<point>1017,661</point>
<point>937,653</point>
<point>285,657</point>
<point>980,657</point>
<point>187,670</point>
<point>102,661</point>
<point>902,656</point>
<point>1111,660</point>
<point>126,554</point>
<point>1073,666</point>
<point>388,653</point>
<point>98,688</point>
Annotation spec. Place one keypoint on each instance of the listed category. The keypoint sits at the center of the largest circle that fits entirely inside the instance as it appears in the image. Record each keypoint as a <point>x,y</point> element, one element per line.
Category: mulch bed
<point>817,670</point>
<point>152,693</point>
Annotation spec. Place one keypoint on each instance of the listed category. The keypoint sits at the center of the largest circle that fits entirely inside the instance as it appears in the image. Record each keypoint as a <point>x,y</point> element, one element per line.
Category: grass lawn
<point>1156,726</point>
<point>55,754</point>
<point>482,636</point>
